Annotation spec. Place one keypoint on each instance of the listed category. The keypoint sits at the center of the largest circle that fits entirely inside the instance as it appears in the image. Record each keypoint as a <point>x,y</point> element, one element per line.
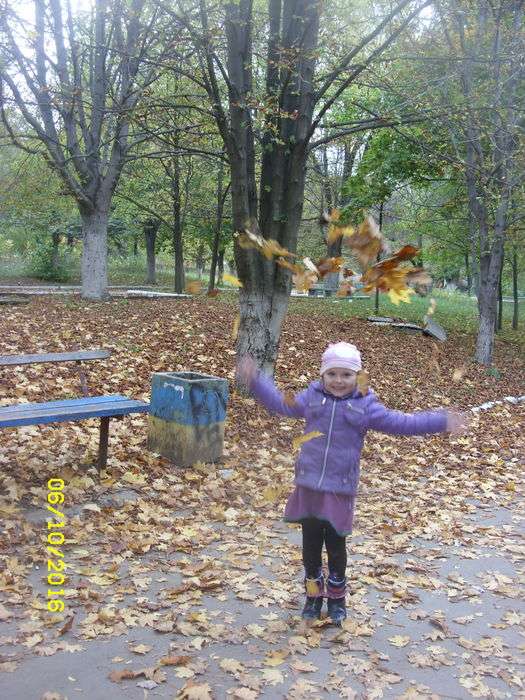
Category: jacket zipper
<point>327,444</point>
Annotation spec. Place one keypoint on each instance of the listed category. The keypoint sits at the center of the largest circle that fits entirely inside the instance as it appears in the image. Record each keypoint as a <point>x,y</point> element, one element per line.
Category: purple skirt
<point>335,508</point>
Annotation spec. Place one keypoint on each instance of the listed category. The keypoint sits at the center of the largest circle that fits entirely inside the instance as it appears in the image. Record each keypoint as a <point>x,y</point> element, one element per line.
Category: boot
<point>336,591</point>
<point>314,598</point>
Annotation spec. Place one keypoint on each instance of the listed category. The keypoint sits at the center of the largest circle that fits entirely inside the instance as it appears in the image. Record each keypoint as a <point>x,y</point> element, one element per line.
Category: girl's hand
<point>246,370</point>
<point>457,422</point>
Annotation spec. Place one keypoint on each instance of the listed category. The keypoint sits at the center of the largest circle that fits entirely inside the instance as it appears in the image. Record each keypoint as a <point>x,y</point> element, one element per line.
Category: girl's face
<point>339,381</point>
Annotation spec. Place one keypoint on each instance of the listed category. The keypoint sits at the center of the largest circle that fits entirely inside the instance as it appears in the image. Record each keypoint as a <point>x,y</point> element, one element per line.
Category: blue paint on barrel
<point>187,415</point>
<point>188,398</point>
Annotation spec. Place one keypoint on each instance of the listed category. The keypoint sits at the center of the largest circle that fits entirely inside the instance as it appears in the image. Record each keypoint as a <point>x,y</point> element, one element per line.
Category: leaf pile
<point>192,570</point>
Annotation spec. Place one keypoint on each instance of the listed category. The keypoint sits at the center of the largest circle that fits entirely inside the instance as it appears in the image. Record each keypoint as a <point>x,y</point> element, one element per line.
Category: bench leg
<point>103,444</point>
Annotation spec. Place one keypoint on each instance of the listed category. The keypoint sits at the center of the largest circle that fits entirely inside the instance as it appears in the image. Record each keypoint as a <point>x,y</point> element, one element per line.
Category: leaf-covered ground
<point>185,582</point>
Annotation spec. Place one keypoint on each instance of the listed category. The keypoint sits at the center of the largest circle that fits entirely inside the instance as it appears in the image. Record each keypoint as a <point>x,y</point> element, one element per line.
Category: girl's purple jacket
<point>331,462</point>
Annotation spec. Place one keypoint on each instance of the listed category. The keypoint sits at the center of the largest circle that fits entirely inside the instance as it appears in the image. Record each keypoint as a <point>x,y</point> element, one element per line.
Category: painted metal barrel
<point>187,414</point>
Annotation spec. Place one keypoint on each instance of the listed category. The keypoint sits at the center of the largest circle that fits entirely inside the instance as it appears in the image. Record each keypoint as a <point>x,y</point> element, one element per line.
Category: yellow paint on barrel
<point>185,445</point>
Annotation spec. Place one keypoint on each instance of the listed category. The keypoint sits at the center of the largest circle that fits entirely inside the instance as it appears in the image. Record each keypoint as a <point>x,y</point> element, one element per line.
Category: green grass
<point>129,271</point>
<point>454,311</point>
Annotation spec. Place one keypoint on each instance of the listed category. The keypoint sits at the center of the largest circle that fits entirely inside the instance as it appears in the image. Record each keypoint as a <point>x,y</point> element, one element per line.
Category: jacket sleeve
<point>386,420</point>
<point>265,391</point>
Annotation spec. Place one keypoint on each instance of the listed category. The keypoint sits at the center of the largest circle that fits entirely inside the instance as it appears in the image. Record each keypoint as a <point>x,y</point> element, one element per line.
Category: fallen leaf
<point>141,649</point>
<point>232,280</point>
<point>301,439</point>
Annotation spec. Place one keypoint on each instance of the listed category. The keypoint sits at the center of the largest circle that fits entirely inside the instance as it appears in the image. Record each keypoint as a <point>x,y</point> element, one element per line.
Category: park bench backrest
<point>78,357</point>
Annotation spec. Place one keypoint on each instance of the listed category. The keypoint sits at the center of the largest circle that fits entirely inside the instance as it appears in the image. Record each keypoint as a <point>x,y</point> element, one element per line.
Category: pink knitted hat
<point>342,355</point>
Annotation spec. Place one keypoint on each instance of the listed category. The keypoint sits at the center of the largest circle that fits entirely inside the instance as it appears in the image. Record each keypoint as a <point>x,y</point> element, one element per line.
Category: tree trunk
<point>151,227</point>
<point>218,226</point>
<point>499,323</point>
<point>55,241</point>
<point>95,254</point>
<point>178,248</point>
<point>259,335</point>
<point>376,300</point>
<point>199,260</point>
<point>490,265</point>
<point>468,273</point>
<point>515,309</point>
<point>135,244</point>
<point>474,254</point>
<point>333,250</point>
<point>220,267</point>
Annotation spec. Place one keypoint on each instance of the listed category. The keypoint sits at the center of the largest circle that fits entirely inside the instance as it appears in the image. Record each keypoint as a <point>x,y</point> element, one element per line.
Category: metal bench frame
<point>103,407</point>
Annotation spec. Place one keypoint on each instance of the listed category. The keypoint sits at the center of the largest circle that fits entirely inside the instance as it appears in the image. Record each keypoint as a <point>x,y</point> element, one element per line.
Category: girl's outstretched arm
<point>398,423</point>
<point>265,391</point>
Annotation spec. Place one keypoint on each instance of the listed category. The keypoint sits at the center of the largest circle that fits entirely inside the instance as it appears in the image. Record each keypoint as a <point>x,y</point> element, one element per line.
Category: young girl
<point>327,469</point>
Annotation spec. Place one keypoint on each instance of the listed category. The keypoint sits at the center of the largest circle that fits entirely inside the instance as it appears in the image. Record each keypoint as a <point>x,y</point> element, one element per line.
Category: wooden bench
<point>103,407</point>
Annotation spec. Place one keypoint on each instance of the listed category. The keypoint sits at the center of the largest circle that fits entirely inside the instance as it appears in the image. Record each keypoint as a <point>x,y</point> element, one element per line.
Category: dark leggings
<point>315,533</point>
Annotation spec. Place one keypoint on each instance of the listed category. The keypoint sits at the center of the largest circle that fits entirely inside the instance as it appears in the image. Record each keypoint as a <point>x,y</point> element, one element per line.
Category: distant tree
<point>75,82</point>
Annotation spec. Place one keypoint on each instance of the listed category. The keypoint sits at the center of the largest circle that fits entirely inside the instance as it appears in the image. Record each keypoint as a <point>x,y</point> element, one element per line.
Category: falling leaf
<point>366,242</point>
<point>303,281</point>
<point>325,266</point>
<point>397,295</point>
<point>301,439</point>
<point>362,382</point>
<point>268,247</point>
<point>193,287</point>
<point>282,262</point>
<point>309,265</point>
<point>232,280</point>
<point>289,399</point>
<point>336,230</point>
<point>431,309</point>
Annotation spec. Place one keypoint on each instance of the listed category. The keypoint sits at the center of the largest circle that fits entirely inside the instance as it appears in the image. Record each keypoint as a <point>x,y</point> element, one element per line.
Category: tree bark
<point>200,260</point>
<point>490,266</point>
<point>178,246</point>
<point>94,254</point>
<point>220,268</point>
<point>468,273</point>
<point>499,323</point>
<point>218,226</point>
<point>151,227</point>
<point>333,249</point>
<point>515,309</point>
<point>55,254</point>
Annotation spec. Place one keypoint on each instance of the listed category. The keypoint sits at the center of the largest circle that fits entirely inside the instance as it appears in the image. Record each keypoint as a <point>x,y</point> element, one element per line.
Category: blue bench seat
<point>102,407</point>
<point>69,410</point>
